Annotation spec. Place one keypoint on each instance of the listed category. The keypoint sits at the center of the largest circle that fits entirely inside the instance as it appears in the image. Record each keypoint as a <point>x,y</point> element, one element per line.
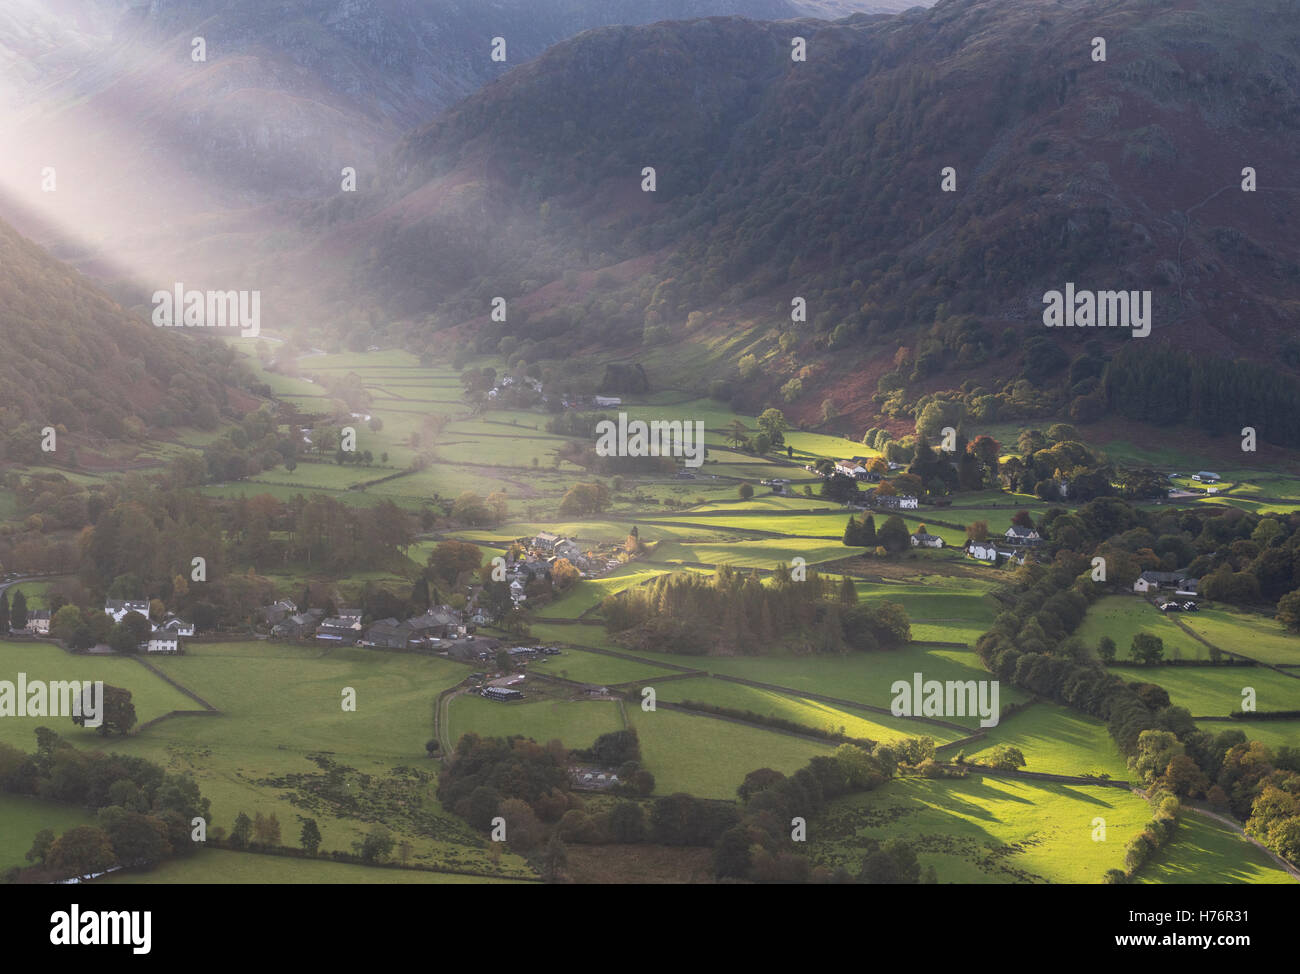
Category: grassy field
<point>1274,733</point>
<point>284,745</point>
<point>1215,691</point>
<point>1204,851</point>
<point>808,713</point>
<point>590,592</point>
<point>1055,740</point>
<point>576,723</point>
<point>1245,633</point>
<point>574,664</point>
<point>22,817</point>
<point>709,758</point>
<point>986,830</point>
<point>859,678</point>
<point>151,696</point>
<point>1121,617</point>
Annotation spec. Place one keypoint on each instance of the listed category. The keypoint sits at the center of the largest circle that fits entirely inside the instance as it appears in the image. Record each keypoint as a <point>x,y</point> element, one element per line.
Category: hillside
<point>74,358</point>
<point>822,180</point>
<point>155,148</point>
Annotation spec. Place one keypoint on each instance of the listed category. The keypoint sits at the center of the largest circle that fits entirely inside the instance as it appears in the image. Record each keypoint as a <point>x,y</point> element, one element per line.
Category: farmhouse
<point>301,625</point>
<point>546,541</point>
<point>161,641</point>
<point>987,551</point>
<point>851,468</point>
<point>277,611</point>
<point>38,622</point>
<point>1153,581</point>
<point>119,609</point>
<point>387,634</point>
<point>1018,534</point>
<point>177,625</point>
<point>895,502</point>
<point>922,539</point>
<point>564,548</point>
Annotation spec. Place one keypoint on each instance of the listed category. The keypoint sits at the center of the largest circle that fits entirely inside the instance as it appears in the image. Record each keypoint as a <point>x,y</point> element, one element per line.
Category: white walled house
<point>162,641</point>
<point>926,540</point>
<point>119,609</point>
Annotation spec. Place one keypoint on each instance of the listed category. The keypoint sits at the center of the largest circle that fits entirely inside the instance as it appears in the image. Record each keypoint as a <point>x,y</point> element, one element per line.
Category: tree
<point>266,830</point>
<point>1106,649</point>
<point>848,591</point>
<point>1288,610</point>
<point>137,839</point>
<point>554,859</point>
<point>585,499</point>
<point>1146,648</point>
<point>893,534</point>
<point>118,714</point>
<point>773,423</point>
<point>737,433</point>
<point>377,844</point>
<point>450,559</point>
<point>41,844</point>
<point>310,838</point>
<point>746,491</point>
<point>122,641</point>
<point>893,862</point>
<point>867,532</point>
<point>82,851</point>
<point>852,533</point>
<point>564,575</point>
<point>18,614</point>
<point>4,613</point>
<point>243,830</point>
<point>977,531</point>
<point>627,823</point>
<point>1006,757</point>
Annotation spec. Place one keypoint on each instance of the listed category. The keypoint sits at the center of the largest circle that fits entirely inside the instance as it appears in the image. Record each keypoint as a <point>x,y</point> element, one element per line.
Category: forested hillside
<point>72,358</point>
<point>822,180</point>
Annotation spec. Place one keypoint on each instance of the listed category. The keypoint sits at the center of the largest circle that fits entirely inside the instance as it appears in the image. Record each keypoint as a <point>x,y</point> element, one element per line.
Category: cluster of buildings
<point>434,628</point>
<point>1012,546</point>
<point>543,551</point>
<point>164,637</point>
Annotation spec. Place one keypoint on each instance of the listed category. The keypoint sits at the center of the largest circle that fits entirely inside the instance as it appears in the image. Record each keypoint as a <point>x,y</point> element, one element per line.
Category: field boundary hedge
<point>1046,776</point>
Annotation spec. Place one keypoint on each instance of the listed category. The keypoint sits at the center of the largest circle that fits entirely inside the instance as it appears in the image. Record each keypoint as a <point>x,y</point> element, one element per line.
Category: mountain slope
<point>153,147</point>
<point>74,358</point>
<point>822,180</point>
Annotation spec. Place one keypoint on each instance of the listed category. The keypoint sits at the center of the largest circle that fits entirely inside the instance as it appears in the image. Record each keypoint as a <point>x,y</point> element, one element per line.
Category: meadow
<point>1247,634</point>
<point>1205,851</point>
<point>151,696</point>
<point>816,714</point>
<point>709,758</point>
<point>1055,740</point>
<point>1121,617</point>
<point>22,817</point>
<point>575,722</point>
<point>986,830</point>
<point>1216,691</point>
